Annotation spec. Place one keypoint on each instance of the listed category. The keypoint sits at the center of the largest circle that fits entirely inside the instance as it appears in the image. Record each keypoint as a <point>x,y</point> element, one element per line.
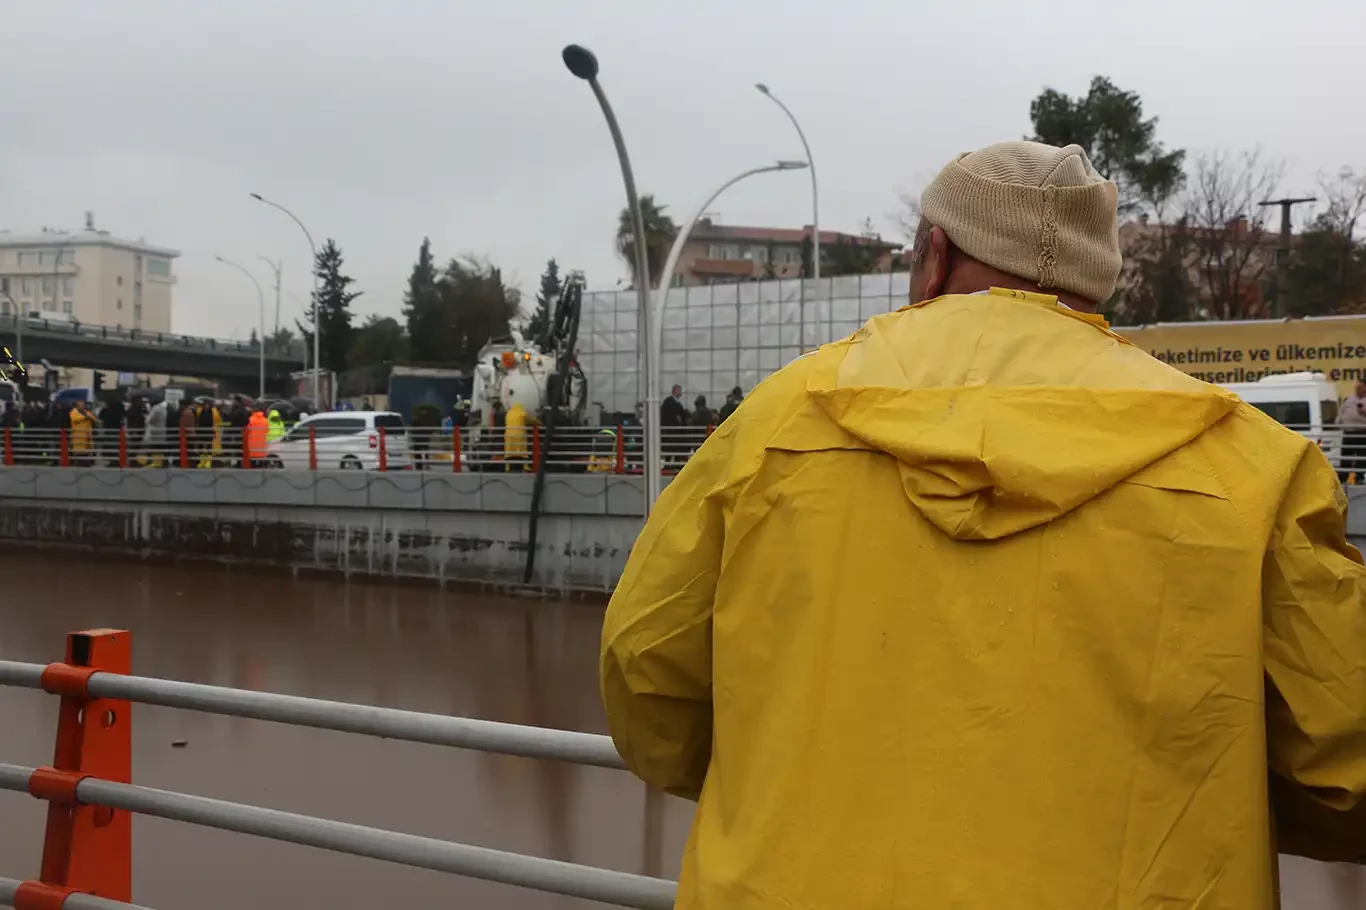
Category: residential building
<point>89,276</point>
<point>723,253</point>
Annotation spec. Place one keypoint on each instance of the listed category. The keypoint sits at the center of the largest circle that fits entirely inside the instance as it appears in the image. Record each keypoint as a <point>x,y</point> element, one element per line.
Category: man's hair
<point>921,245</point>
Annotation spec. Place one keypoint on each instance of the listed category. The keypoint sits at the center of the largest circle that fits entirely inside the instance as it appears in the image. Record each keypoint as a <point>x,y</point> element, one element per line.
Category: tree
<point>379,341</point>
<point>279,339</point>
<point>538,325</point>
<point>253,340</point>
<point>477,307</point>
<point>1328,268</point>
<point>1230,246</point>
<point>1108,123</point>
<point>334,307</point>
<point>422,308</point>
<point>1156,283</point>
<point>660,231</point>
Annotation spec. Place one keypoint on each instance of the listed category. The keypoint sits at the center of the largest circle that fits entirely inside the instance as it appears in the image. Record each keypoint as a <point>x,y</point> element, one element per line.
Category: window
<point>67,285</point>
<point>1286,413</point>
<point>27,260</point>
<point>118,304</point>
<point>759,254</point>
<point>789,255</point>
<point>160,268</point>
<point>723,251</point>
<point>27,287</point>
<point>5,304</point>
<point>66,307</point>
<point>1330,412</point>
<point>326,427</point>
<point>47,306</point>
<point>392,423</point>
<point>47,286</point>
<point>137,316</point>
<point>119,281</point>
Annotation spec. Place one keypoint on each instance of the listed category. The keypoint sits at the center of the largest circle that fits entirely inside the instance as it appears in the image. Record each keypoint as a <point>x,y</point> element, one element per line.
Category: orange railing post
<point>536,448</point>
<point>86,849</point>
<point>9,446</point>
<point>312,447</point>
<point>455,450</point>
<point>64,458</point>
<point>621,452</point>
<point>184,448</point>
<point>383,451</point>
<point>123,447</point>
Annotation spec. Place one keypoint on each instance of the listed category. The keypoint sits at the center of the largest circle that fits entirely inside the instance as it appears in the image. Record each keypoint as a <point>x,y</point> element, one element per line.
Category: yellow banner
<point>1223,352</point>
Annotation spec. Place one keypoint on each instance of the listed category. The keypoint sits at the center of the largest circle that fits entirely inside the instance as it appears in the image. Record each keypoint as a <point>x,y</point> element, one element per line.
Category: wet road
<point>519,661</point>
<point>510,660</point>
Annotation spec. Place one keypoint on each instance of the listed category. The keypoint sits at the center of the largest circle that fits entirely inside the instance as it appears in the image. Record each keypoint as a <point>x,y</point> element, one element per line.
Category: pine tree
<point>538,325</point>
<point>334,307</point>
<point>427,332</point>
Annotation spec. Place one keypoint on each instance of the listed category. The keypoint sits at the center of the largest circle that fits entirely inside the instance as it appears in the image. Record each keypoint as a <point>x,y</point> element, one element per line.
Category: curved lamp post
<point>653,466</point>
<point>317,325</point>
<point>581,62</point>
<point>815,197</point>
<point>261,332</point>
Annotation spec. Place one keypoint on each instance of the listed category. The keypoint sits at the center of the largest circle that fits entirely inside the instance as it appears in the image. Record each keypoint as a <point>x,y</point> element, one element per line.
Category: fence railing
<point>608,450</point>
<point>87,847</point>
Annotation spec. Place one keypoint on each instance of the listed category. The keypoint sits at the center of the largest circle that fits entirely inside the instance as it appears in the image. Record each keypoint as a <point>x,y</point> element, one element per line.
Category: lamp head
<point>257,197</point>
<point>761,87</point>
<point>792,165</point>
<point>580,61</point>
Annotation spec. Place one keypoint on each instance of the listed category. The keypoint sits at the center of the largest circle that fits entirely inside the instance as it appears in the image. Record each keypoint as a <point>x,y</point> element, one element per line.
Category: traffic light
<point>99,382</point>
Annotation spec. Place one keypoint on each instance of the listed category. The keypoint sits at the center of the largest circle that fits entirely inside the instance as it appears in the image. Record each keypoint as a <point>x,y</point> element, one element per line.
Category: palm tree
<point>659,235</point>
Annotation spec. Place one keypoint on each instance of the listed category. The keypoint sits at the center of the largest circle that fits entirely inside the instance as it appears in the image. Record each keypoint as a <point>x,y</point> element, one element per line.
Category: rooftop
<point>707,230</point>
<point>49,238</point>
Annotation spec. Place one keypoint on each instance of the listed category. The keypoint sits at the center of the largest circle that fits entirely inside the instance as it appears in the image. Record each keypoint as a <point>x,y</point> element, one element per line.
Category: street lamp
<point>275,267</point>
<point>261,333</point>
<point>815,197</point>
<point>317,325</point>
<point>581,62</point>
<point>653,467</point>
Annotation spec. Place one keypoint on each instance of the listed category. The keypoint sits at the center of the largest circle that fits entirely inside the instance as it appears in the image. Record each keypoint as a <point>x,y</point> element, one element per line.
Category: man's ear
<point>936,264</point>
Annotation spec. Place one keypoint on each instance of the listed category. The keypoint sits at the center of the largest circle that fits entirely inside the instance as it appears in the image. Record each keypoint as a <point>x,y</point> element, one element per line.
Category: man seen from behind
<point>984,607</point>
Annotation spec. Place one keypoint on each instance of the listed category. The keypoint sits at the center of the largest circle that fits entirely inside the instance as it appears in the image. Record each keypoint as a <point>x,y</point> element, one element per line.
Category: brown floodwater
<point>514,660</point>
<point>520,661</point>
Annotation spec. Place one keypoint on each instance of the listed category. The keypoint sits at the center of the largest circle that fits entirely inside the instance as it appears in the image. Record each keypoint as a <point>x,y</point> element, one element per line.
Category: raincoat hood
<point>965,395</point>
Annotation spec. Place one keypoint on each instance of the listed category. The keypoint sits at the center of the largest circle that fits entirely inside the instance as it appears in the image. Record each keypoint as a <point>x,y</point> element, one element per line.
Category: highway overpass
<point>71,344</point>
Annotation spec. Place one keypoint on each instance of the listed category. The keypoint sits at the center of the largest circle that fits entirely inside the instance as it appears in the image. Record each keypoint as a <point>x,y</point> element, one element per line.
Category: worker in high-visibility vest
<point>276,428</point>
<point>258,431</point>
<point>603,460</point>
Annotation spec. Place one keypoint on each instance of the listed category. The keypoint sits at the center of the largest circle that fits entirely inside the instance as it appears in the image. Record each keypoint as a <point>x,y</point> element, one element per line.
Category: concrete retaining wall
<point>444,527</point>
<point>468,528</point>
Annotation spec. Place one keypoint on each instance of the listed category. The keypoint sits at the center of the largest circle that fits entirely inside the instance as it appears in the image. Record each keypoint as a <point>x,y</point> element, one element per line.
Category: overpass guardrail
<point>87,847</point>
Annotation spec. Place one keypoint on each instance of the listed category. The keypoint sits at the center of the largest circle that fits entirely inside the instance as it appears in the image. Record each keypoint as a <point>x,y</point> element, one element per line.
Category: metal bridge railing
<point>87,847</point>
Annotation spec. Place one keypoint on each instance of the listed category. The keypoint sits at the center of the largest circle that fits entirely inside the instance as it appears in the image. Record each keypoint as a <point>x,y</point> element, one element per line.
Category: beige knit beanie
<point>1033,210</point>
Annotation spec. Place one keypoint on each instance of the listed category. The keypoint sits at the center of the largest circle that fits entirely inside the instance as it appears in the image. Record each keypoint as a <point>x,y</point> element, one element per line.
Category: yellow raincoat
<point>985,608</point>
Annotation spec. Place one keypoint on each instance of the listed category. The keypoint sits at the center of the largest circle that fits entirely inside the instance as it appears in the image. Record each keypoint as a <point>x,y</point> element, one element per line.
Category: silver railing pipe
<point>623,889</point>
<point>344,717</point>
<point>9,887</point>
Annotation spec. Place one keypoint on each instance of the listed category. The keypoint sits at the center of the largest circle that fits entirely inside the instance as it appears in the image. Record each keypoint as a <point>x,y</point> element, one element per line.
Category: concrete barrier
<point>445,527</point>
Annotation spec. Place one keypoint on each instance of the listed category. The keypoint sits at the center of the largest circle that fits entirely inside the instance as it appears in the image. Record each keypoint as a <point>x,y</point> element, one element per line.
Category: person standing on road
<point>985,607</point>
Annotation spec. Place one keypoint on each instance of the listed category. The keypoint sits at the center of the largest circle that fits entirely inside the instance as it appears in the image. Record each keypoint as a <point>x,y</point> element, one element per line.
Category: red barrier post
<point>709,429</point>
<point>184,448</point>
<point>123,447</point>
<point>536,448</point>
<point>86,849</point>
<point>455,450</point>
<point>621,452</point>
<point>383,451</point>
<point>64,459</point>
<point>9,446</point>
<point>246,445</point>
<point>312,447</point>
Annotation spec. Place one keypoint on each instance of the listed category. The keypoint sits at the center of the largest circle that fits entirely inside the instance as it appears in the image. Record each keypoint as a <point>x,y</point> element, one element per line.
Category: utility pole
<point>1283,251</point>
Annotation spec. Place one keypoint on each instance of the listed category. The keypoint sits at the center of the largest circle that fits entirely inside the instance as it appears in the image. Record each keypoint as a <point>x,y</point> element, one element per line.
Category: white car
<point>345,440</point>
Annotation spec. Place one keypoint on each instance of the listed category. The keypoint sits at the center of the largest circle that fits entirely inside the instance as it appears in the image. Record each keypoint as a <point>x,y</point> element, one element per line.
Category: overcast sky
<point>381,123</point>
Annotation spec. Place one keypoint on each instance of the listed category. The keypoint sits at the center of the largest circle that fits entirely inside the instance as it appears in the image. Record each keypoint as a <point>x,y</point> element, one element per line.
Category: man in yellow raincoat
<point>515,450</point>
<point>985,608</point>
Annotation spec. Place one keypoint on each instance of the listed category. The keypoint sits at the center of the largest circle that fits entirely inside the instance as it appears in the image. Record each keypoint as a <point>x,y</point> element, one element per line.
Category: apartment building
<point>88,276</point>
<point>720,253</point>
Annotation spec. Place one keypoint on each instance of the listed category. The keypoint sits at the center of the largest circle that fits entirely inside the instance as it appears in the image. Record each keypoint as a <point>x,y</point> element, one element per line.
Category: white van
<point>1305,402</point>
<point>342,440</point>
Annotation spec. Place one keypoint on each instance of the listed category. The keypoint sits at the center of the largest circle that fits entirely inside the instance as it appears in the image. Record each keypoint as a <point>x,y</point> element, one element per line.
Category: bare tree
<point>1345,195</point>
<point>1230,245</point>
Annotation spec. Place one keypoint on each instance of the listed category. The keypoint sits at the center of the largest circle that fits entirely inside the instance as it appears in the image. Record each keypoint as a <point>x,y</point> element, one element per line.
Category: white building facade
<point>89,276</point>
